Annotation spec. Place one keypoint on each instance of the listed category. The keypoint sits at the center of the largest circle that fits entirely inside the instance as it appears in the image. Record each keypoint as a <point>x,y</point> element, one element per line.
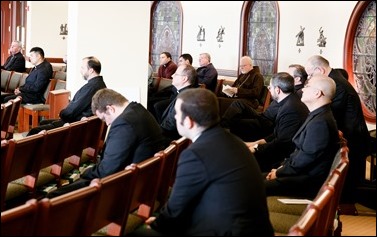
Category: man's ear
<point>188,122</point>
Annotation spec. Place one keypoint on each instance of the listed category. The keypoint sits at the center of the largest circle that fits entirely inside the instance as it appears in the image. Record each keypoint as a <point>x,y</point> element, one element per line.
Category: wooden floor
<point>363,224</point>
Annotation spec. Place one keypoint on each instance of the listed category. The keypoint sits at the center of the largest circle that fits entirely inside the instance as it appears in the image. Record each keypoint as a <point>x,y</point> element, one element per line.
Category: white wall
<point>43,27</point>
<point>117,34</point>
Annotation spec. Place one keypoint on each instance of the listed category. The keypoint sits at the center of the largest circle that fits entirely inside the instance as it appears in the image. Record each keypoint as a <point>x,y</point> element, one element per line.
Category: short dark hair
<point>201,105</point>
<point>284,81</point>
<point>105,97</point>
<point>94,63</point>
<point>187,56</point>
<point>299,72</point>
<point>167,54</point>
<point>39,51</point>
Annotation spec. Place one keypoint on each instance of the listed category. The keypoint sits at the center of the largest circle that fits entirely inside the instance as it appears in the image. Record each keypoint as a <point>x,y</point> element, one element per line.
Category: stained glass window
<point>166,31</point>
<point>261,38</point>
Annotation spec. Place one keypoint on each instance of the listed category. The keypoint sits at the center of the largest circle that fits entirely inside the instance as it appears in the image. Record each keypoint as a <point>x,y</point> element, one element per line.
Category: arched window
<point>166,25</point>
<point>360,55</point>
<point>259,35</point>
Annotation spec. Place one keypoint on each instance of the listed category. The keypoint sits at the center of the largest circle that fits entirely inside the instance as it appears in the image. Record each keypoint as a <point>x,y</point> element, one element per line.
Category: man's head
<point>246,64</point>
<point>165,57</point>
<point>317,65</point>
<point>281,85</point>
<point>107,104</point>
<point>185,59</point>
<point>37,56</point>
<point>318,91</point>
<point>185,75</point>
<point>15,47</point>
<point>204,59</point>
<point>196,109</point>
<point>298,73</point>
<point>90,67</point>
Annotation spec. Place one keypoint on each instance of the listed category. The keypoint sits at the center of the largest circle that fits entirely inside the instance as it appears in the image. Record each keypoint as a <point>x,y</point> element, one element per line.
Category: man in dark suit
<point>32,92</point>
<point>346,107</point>
<point>80,105</point>
<point>16,61</point>
<point>271,150</point>
<point>317,142</point>
<point>207,73</point>
<point>134,136</point>
<point>185,77</point>
<point>218,188</point>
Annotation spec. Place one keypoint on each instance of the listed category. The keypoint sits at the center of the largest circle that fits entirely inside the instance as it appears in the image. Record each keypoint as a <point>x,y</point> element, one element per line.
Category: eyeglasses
<point>311,74</point>
<point>245,65</point>
<point>307,86</point>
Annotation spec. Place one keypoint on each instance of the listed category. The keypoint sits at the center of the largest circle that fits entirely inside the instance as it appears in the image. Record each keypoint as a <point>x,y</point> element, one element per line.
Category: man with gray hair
<point>16,61</point>
<point>207,73</point>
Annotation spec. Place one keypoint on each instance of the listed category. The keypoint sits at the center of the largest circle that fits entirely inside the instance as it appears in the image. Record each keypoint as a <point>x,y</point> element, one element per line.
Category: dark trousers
<point>47,124</point>
<point>69,188</point>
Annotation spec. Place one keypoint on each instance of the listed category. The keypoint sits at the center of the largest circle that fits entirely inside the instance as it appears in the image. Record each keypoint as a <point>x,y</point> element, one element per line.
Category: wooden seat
<point>6,113</point>
<point>5,77</point>
<point>69,214</point>
<point>60,75</point>
<point>145,192</point>
<point>13,83</point>
<point>23,159</point>
<point>306,223</point>
<point>55,149</point>
<point>20,220</point>
<point>219,86</point>
<point>265,99</point>
<point>16,104</point>
<point>75,141</point>
<point>182,143</point>
<point>36,110</point>
<point>93,137</point>
<point>169,156</point>
<point>114,202</point>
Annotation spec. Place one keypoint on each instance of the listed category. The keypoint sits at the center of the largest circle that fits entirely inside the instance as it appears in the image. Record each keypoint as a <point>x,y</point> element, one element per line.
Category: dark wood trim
<point>55,60</point>
<point>348,50</point>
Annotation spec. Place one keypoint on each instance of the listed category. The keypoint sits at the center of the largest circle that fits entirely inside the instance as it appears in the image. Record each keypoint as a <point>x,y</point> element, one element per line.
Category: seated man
<point>134,136</point>
<point>218,190</point>
<point>271,150</point>
<point>79,107</point>
<point>184,78</point>
<point>247,87</point>
<point>166,70</point>
<point>32,92</point>
<point>317,142</point>
<point>207,73</point>
<point>299,74</point>
<point>16,61</point>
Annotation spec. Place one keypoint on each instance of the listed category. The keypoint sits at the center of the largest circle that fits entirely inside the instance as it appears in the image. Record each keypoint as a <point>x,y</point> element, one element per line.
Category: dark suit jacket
<point>208,75</point>
<point>36,83</point>
<point>133,137</point>
<point>218,190</point>
<point>168,123</point>
<point>346,107</point>
<point>80,105</point>
<point>15,63</point>
<point>291,115</point>
<point>317,142</point>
